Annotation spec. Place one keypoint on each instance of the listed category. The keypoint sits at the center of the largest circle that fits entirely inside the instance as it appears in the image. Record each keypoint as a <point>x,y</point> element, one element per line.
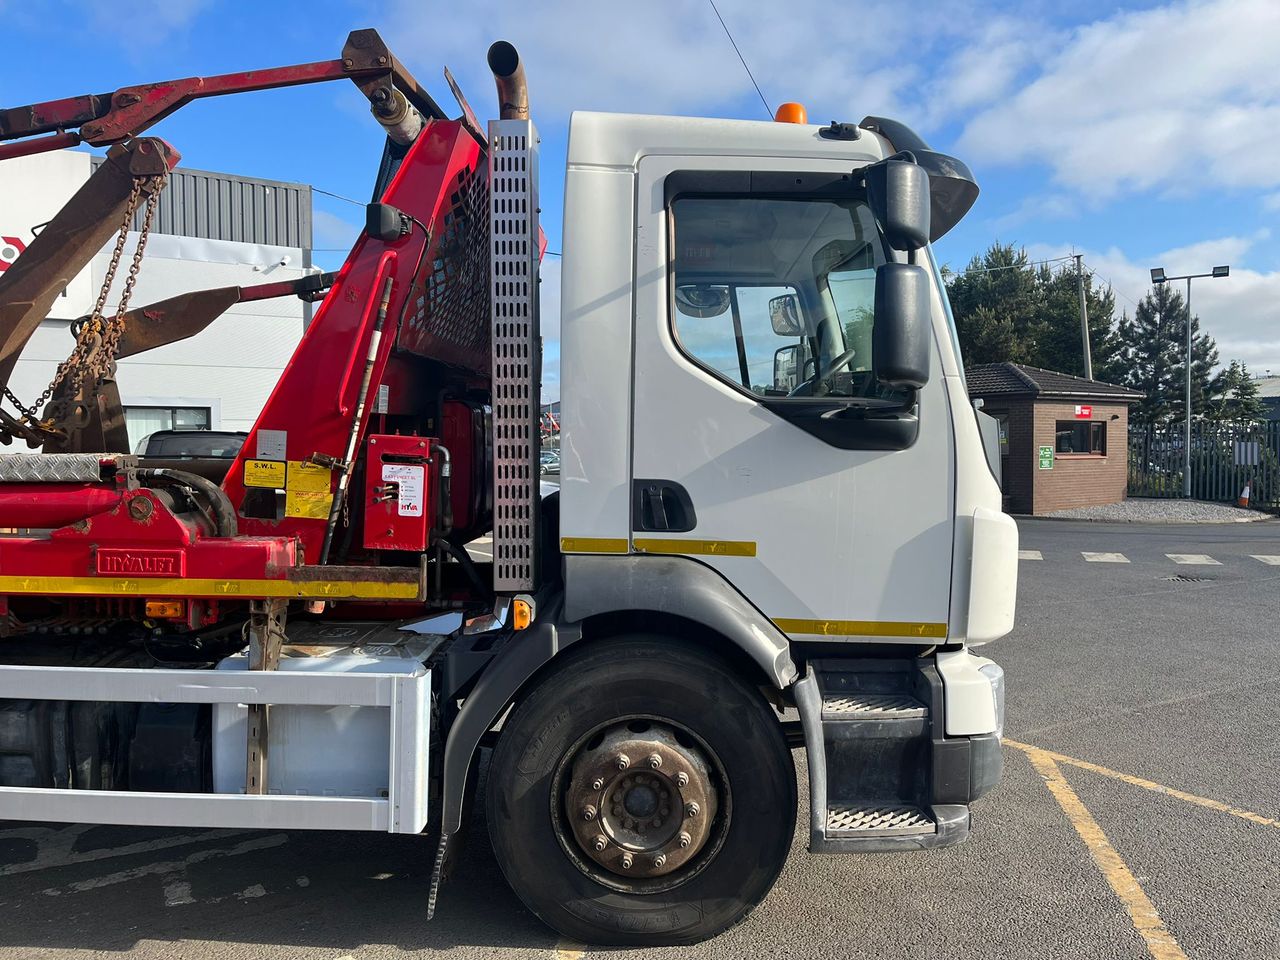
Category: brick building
<point>1063,439</point>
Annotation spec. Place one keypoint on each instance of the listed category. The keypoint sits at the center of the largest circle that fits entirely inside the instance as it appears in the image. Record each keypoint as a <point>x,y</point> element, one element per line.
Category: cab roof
<point>619,140</point>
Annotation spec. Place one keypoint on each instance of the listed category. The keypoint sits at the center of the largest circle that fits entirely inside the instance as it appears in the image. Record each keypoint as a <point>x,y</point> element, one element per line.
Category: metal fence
<point>1225,457</point>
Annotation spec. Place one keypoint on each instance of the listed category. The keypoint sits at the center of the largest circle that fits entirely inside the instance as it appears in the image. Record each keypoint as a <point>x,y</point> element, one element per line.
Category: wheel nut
<point>597,783</point>
<point>629,823</point>
<point>588,812</point>
<point>660,860</point>
<point>623,761</point>
<point>655,761</point>
<point>684,840</point>
<point>682,779</point>
<point>600,842</point>
<point>626,861</point>
<point>655,822</point>
<point>691,810</point>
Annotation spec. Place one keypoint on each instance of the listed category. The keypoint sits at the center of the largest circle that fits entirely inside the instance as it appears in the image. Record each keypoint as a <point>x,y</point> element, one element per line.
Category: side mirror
<point>898,194</point>
<point>788,367</point>
<point>900,337</point>
<point>784,314</point>
<point>384,222</point>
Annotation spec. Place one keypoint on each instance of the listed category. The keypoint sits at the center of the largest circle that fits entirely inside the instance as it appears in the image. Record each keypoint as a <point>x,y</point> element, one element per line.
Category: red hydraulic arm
<point>107,118</point>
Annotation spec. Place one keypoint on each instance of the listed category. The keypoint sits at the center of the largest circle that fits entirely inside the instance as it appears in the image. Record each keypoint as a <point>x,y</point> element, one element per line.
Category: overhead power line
<point>337,196</point>
<point>1013,266</point>
<point>767,109</point>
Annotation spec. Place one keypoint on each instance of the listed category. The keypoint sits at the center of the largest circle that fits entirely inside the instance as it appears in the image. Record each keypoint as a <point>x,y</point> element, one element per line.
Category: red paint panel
<point>305,402</point>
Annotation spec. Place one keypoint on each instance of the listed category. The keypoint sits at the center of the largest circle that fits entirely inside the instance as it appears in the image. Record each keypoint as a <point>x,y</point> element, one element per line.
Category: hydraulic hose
<point>224,514</point>
<point>446,487</point>
<point>353,438</point>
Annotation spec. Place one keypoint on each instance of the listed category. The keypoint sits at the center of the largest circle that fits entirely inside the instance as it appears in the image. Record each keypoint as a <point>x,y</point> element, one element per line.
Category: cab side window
<point>776,295</point>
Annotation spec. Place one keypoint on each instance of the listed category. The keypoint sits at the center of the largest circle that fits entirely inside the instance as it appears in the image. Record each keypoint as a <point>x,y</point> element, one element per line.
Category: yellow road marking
<point>569,950</point>
<point>1141,910</point>
<point>1150,785</point>
<point>860,628</point>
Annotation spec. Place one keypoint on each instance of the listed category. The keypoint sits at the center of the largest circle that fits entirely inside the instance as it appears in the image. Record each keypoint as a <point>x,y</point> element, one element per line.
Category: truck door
<point>762,443</point>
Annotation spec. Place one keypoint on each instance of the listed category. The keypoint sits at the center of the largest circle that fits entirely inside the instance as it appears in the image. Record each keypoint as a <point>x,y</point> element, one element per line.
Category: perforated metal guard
<point>516,350</point>
<point>55,467</point>
<point>450,320</point>
<point>879,821</point>
<point>873,705</point>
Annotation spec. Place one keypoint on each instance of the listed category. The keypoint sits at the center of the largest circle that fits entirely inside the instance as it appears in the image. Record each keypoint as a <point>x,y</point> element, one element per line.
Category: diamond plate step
<point>872,706</point>
<point>843,821</point>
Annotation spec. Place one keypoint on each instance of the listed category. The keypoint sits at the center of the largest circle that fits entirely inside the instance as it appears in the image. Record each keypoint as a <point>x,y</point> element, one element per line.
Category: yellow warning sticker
<point>264,473</point>
<point>307,477</point>
<point>308,504</point>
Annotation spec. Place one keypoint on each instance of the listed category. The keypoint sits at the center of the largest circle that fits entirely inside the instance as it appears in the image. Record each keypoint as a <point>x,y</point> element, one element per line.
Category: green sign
<point>1046,458</point>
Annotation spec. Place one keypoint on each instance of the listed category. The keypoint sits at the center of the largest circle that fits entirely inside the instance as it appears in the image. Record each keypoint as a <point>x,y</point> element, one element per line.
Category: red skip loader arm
<point>104,119</point>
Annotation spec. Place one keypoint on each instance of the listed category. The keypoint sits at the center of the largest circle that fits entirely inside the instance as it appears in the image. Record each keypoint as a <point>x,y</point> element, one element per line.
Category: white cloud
<point>1186,94</point>
<point>147,23</point>
<point>331,232</point>
<point>1241,312</point>
<point>870,57</point>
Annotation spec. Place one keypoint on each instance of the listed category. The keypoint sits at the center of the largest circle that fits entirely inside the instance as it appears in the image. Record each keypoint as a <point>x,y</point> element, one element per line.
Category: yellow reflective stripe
<point>180,587</point>
<point>862,628</point>
<point>593,544</point>
<point>711,548</point>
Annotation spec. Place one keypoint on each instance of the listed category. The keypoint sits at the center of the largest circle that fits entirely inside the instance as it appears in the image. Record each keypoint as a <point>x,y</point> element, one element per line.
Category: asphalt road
<point>1168,683</point>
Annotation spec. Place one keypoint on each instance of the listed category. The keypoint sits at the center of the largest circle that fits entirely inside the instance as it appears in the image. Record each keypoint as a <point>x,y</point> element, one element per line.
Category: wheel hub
<point>640,802</point>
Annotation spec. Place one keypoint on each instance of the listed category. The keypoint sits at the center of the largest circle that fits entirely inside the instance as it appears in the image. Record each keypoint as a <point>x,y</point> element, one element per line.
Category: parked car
<point>181,444</point>
<point>550,462</point>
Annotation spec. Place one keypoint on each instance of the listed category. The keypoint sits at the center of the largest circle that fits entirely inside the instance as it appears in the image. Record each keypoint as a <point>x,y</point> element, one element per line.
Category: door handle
<point>661,505</point>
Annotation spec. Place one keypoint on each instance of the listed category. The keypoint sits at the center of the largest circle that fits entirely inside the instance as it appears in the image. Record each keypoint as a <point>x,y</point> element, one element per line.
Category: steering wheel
<point>830,369</point>
<point>809,388</point>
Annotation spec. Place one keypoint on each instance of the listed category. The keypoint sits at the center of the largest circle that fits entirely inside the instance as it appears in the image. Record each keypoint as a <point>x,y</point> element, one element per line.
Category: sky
<point>1140,135</point>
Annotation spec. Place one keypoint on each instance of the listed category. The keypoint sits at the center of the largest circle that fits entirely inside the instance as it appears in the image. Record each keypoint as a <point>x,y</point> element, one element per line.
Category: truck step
<point>872,706</point>
<point>878,821</point>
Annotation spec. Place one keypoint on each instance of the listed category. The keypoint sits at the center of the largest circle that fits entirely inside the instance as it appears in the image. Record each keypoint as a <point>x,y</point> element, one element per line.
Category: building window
<point>1084,438</point>
<point>144,421</point>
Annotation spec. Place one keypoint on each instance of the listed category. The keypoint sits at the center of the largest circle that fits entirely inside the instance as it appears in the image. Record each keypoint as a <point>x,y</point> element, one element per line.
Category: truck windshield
<point>777,295</point>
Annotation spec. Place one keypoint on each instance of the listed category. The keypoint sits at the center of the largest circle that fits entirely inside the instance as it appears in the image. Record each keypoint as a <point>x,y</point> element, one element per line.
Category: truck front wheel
<point>642,794</point>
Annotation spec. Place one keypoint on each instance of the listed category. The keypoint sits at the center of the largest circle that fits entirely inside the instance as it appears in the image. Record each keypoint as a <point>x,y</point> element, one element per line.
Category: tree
<point>1153,354</point>
<point>1235,397</point>
<point>1061,348</point>
<point>1006,309</point>
<point>996,303</point>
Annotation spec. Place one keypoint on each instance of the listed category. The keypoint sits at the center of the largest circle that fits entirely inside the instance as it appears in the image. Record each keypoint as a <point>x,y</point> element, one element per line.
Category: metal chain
<point>99,338</point>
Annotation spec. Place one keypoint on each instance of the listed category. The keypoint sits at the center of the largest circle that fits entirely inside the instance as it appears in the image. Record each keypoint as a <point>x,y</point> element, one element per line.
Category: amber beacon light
<point>791,113</point>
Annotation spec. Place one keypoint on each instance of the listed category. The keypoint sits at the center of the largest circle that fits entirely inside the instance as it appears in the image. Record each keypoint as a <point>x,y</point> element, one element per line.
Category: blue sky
<point>1140,135</point>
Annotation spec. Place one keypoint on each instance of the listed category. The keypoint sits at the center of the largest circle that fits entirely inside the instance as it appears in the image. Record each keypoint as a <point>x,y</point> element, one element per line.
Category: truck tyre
<point>641,794</point>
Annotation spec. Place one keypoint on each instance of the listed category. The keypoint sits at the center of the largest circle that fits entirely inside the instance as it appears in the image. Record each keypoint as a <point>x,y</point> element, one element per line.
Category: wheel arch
<point>605,597</point>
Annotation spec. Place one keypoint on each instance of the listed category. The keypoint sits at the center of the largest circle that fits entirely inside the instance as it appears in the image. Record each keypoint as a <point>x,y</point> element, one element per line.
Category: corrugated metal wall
<point>216,206</point>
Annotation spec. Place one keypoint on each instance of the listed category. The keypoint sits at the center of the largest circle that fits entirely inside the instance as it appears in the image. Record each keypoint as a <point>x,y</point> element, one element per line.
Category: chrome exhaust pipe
<point>508,74</point>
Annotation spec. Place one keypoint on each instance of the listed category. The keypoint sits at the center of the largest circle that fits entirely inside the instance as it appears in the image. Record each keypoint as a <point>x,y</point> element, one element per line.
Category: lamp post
<point>1157,277</point>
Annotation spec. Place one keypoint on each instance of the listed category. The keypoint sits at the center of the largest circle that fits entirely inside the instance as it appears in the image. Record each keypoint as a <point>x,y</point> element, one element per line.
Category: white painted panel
<point>595,354</point>
<point>841,534</point>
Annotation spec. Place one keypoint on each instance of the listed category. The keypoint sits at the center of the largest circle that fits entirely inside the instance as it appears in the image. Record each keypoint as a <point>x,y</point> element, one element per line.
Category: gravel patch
<point>1163,511</point>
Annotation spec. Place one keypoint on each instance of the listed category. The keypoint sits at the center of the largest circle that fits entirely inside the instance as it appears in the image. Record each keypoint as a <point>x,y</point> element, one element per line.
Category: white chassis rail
<point>406,698</point>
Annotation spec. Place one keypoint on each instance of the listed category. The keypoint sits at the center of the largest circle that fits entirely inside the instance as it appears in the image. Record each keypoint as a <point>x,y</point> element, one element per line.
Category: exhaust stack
<point>508,74</point>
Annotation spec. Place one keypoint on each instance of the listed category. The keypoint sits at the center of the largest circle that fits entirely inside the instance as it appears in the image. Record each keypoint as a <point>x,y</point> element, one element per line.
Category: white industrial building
<point>211,230</point>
